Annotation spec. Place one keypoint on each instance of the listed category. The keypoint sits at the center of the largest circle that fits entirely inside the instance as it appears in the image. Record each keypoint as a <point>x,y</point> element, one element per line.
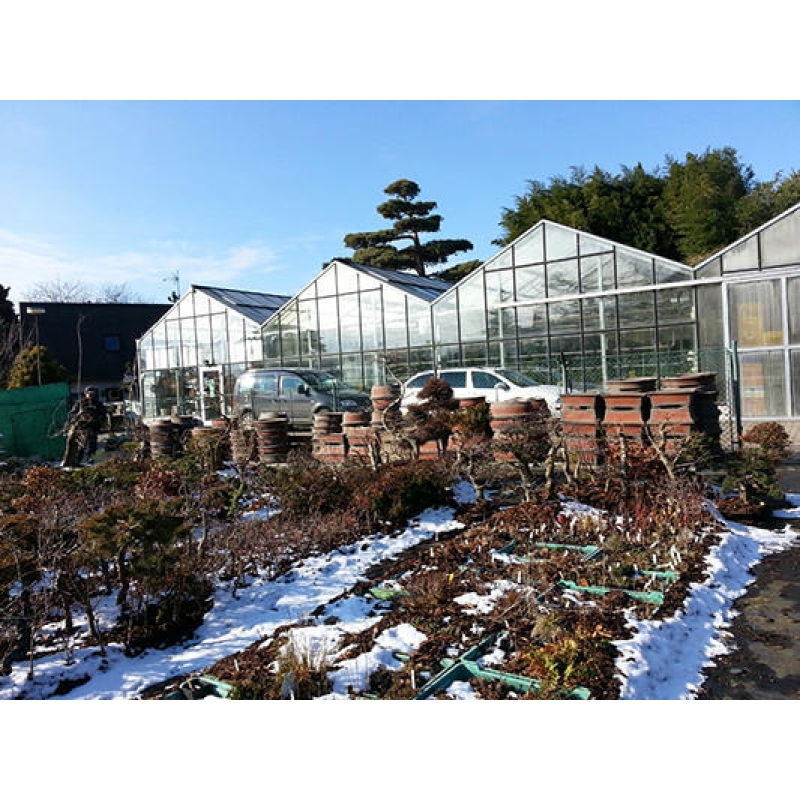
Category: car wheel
<point>246,420</point>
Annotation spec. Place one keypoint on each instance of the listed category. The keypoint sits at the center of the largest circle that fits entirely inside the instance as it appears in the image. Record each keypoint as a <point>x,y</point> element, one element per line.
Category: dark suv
<point>298,393</point>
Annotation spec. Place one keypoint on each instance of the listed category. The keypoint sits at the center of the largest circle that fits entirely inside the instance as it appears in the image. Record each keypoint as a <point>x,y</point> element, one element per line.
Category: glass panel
<point>420,358</point>
<point>188,351</point>
<point>308,293</point>
<point>352,372</point>
<point>589,244</point>
<point>636,309</point>
<point>711,270</point>
<point>366,283</point>
<point>309,336</point>
<point>331,363</point>
<point>371,320</point>
<point>530,283</point>
<point>328,325</point>
<point>780,242</point>
<point>599,313</point>
<point>534,359</point>
<point>271,337</point>
<point>763,384</point>
<point>675,305</point>
<point>756,313</point>
<point>633,270</point>
<point>561,243</point>
<point>254,353</point>
<point>565,317</point>
<point>326,283</point>
<point>201,303</point>
<point>743,256</point>
<point>669,273</point>
<point>204,350</point>
<point>529,249</point>
<point>709,322</point>
<point>419,322</point>
<point>348,278</point>
<point>394,320</point>
<point>532,319</point>
<point>145,353</point>
<point>599,350</point>
<point>562,278</point>
<point>349,327</point>
<point>396,365</point>
<point>236,348</point>
<point>795,373</point>
<point>473,354</point>
<point>374,370</point>
<point>597,273</point>
<point>219,338</point>
<point>172,327</point>
<point>793,304</point>
<point>471,309</point>
<point>446,321</point>
<point>637,354</point>
<point>448,356</point>
<point>500,290</point>
<point>502,260</point>
<point>677,350</point>
<point>289,345</point>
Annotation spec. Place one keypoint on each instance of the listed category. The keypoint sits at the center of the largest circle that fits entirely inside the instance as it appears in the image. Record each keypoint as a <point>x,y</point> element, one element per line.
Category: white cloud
<point>26,262</point>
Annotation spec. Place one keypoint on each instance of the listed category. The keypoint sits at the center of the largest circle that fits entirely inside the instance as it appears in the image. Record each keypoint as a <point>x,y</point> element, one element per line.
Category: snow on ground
<point>231,625</point>
<point>663,659</point>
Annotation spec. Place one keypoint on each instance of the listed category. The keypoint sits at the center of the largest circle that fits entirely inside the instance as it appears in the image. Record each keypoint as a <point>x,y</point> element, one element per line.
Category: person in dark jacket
<point>84,423</point>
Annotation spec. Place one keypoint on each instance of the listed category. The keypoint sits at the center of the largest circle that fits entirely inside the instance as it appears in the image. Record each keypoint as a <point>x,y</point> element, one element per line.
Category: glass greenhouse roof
<point>256,306</point>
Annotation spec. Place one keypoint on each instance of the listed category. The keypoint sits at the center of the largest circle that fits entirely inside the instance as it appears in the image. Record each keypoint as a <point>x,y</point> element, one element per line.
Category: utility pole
<point>36,313</point>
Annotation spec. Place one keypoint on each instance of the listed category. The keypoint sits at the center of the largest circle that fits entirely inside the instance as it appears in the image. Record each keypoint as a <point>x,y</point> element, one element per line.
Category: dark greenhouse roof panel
<point>424,288</point>
<point>256,306</point>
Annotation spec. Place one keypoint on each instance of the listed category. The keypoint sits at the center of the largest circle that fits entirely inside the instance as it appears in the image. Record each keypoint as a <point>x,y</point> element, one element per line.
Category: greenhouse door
<point>211,393</point>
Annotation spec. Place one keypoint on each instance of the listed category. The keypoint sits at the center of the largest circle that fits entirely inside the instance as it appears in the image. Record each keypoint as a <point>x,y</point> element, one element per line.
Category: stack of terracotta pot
<point>627,409</point>
<point>684,405</point>
<point>582,425</point>
<point>272,438</point>
<point>164,438</point>
<point>327,439</point>
<point>359,434</point>
<point>385,406</point>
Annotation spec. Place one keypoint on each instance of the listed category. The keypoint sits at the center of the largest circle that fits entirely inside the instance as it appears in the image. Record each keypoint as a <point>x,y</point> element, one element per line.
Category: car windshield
<point>322,380</point>
<point>517,378</point>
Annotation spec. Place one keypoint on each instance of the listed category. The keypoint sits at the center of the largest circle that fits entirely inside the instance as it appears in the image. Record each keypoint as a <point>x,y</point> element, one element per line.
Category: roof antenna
<point>175,295</point>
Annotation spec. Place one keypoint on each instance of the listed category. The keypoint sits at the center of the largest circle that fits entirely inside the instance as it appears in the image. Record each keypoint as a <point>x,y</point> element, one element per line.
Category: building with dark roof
<point>94,342</point>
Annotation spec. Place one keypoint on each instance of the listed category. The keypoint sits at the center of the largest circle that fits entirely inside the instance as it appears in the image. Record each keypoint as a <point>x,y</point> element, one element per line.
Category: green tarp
<point>31,420</point>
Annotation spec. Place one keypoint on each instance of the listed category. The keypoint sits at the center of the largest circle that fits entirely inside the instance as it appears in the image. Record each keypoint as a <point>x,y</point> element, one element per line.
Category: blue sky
<point>258,194</point>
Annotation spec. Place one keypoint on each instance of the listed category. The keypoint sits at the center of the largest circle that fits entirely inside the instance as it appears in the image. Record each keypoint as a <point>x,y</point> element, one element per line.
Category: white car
<point>495,385</point>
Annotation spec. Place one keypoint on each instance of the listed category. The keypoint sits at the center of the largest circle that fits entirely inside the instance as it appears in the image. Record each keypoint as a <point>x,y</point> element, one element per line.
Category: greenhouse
<point>750,298</point>
<point>559,305</point>
<point>190,358</point>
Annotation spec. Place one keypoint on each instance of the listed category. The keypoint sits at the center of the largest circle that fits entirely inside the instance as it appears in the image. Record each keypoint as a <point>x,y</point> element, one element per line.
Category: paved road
<point>765,664</point>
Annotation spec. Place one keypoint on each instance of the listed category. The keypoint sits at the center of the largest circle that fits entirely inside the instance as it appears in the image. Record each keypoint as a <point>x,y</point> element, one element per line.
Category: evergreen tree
<point>26,367</point>
<point>683,210</point>
<point>411,219</point>
<point>702,197</point>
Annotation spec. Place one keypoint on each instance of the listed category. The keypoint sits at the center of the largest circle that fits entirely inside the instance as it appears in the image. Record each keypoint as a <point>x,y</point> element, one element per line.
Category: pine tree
<point>411,218</point>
